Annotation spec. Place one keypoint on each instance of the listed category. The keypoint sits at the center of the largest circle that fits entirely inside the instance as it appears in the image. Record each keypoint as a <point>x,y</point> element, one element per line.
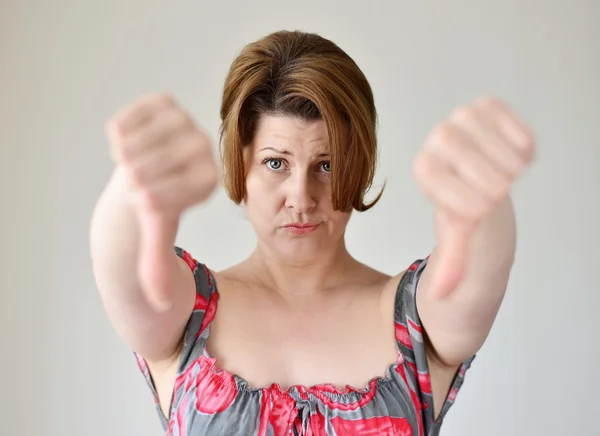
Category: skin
<point>296,299</point>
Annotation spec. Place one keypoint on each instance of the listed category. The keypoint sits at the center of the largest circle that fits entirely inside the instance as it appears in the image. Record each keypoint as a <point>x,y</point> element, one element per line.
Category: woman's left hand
<point>466,168</point>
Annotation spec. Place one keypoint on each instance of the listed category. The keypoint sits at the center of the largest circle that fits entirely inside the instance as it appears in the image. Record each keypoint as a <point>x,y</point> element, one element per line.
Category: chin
<point>298,251</point>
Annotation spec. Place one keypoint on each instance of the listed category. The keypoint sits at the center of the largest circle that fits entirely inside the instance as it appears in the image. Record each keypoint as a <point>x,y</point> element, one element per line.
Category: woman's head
<point>298,139</point>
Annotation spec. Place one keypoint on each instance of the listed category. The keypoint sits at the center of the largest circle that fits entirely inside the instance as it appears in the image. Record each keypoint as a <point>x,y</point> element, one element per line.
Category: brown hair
<point>302,75</point>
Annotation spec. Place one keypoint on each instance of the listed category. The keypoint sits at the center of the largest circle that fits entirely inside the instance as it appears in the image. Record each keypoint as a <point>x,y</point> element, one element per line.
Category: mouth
<point>301,228</point>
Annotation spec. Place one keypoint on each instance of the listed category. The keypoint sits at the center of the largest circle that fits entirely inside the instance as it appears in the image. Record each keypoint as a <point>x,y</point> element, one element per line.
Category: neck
<point>309,277</point>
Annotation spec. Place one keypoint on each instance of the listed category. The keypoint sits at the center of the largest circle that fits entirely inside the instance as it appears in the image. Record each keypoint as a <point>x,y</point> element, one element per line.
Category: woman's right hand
<point>169,166</point>
<point>167,159</point>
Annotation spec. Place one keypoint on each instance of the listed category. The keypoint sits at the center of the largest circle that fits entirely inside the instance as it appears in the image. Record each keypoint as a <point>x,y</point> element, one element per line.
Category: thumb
<point>155,260</point>
<point>452,256</point>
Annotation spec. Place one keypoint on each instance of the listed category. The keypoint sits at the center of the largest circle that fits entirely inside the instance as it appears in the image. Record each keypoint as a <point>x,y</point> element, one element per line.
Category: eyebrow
<point>288,153</point>
<point>276,150</point>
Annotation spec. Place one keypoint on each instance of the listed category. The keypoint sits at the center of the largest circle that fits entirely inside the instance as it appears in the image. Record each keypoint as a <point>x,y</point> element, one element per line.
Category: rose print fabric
<point>207,401</point>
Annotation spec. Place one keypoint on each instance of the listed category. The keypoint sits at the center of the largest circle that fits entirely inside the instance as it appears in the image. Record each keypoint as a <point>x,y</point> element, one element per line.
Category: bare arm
<point>164,166</point>
<point>115,246</point>
<point>458,324</point>
<point>467,168</point>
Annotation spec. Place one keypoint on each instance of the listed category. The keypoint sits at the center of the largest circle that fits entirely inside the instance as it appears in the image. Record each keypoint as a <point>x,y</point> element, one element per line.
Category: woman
<point>300,338</point>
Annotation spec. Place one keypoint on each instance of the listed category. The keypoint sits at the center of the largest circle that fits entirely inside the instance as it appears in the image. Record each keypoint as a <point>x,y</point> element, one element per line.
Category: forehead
<point>291,134</point>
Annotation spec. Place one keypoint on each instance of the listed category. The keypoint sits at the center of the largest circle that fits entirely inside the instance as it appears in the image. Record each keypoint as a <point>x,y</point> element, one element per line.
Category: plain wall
<point>66,66</point>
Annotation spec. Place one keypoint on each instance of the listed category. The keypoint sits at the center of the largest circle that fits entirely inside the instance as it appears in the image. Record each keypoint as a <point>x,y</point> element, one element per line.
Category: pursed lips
<point>301,228</point>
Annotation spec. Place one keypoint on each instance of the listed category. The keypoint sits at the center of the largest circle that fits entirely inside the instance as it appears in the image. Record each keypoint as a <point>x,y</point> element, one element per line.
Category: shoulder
<point>238,273</point>
<point>389,294</point>
<point>400,291</point>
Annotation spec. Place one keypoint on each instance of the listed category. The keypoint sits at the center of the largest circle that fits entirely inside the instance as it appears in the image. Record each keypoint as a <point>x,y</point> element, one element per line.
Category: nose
<point>299,193</point>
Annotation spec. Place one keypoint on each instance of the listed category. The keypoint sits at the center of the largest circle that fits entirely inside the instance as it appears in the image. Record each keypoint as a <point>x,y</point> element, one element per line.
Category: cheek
<point>262,196</point>
<point>340,220</point>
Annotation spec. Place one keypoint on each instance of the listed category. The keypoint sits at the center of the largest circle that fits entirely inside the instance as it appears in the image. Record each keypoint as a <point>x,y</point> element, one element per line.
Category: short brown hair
<point>306,76</point>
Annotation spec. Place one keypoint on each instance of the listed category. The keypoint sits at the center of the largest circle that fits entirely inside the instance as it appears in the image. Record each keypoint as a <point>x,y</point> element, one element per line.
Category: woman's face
<point>288,190</point>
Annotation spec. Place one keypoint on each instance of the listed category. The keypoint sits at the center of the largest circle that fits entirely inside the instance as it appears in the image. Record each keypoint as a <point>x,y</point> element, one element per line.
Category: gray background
<point>66,66</point>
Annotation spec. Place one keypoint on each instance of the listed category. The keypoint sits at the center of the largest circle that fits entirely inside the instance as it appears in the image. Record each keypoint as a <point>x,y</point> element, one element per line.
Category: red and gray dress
<point>207,401</point>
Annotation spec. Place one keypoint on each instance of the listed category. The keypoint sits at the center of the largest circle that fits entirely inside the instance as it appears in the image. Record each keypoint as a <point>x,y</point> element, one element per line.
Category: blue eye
<point>274,164</point>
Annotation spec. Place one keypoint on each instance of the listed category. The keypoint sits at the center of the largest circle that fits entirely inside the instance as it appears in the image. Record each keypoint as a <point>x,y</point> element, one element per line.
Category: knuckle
<point>440,135</point>
<point>422,167</point>
<point>515,169</point>
<point>455,147</point>
<point>488,101</point>
<point>448,140</point>
<point>179,119</point>
<point>184,119</point>
<point>162,99</point>
<point>529,146</point>
<point>465,115</point>
<point>201,145</point>
<point>126,151</point>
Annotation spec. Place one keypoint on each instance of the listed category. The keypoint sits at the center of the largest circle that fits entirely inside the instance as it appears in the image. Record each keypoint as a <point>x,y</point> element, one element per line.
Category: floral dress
<point>207,401</point>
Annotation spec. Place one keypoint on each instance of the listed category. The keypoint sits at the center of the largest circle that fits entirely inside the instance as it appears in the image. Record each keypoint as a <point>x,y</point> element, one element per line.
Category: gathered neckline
<point>317,389</point>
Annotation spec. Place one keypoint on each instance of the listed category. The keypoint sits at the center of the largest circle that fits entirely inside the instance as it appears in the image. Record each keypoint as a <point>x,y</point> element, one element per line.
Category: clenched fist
<point>167,159</point>
<point>170,167</point>
<point>467,168</point>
